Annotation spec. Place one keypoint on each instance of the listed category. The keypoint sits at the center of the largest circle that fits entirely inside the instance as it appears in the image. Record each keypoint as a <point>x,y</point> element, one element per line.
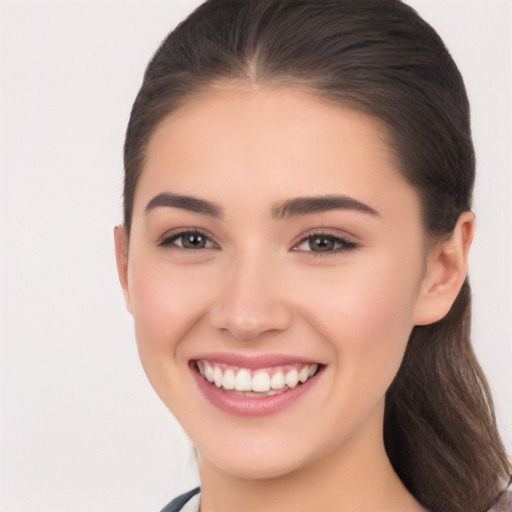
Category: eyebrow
<point>317,204</point>
<point>291,208</point>
<point>189,203</point>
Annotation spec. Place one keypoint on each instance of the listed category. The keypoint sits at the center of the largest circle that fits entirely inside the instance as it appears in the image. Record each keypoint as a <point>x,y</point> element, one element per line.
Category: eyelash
<point>170,241</point>
<point>340,244</point>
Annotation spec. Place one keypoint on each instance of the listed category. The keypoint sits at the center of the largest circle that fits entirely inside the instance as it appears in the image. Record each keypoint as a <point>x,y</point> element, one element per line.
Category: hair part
<point>381,58</point>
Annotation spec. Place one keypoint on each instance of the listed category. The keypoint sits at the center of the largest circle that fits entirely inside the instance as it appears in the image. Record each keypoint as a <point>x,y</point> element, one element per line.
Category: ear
<point>121,246</point>
<point>446,270</point>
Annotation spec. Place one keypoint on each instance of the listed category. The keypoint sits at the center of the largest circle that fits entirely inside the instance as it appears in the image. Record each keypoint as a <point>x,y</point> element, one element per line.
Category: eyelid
<point>168,238</point>
<point>347,242</point>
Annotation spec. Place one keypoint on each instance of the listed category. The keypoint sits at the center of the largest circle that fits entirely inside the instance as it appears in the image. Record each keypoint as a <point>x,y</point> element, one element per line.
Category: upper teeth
<point>262,380</point>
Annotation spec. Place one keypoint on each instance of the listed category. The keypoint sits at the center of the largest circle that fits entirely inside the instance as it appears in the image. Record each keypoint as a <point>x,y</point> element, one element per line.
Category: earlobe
<point>446,270</point>
<point>121,248</point>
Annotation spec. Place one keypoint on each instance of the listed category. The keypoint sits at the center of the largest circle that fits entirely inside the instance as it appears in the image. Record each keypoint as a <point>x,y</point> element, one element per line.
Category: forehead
<point>269,144</point>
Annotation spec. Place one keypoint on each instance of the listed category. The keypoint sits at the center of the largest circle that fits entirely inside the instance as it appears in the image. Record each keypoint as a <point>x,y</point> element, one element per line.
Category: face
<point>273,273</point>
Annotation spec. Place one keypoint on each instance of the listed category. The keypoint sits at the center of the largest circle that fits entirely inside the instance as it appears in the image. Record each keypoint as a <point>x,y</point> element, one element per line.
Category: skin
<point>261,288</point>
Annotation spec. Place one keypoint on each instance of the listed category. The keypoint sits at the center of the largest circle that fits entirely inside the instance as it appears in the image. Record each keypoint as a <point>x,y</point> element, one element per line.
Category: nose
<point>251,300</point>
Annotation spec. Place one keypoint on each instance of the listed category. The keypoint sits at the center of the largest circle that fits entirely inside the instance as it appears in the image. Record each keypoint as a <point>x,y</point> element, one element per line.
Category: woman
<point>297,221</point>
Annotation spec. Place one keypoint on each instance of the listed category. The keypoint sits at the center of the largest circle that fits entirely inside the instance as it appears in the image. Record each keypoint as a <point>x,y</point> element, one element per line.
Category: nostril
<point>247,323</point>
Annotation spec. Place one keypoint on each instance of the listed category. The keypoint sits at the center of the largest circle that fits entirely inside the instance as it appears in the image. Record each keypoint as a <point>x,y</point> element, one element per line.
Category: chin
<point>258,460</point>
<point>249,468</point>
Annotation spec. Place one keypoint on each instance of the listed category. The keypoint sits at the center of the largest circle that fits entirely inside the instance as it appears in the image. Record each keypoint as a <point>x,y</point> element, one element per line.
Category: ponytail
<point>439,429</point>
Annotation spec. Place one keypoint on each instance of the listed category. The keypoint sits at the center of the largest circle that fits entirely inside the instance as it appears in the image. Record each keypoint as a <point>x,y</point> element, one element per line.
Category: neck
<point>354,476</point>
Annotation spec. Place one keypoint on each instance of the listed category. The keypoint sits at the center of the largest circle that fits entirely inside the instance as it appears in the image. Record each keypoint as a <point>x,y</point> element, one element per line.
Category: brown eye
<point>188,240</point>
<point>193,241</point>
<point>319,243</point>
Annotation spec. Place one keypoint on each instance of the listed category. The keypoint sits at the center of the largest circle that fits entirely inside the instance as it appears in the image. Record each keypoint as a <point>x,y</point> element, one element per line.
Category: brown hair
<point>380,57</point>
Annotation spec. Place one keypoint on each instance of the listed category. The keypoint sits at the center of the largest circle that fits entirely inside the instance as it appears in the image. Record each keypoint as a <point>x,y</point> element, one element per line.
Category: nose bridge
<point>251,299</point>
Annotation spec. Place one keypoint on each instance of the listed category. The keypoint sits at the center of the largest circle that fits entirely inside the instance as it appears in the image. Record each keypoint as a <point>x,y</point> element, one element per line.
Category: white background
<point>80,428</point>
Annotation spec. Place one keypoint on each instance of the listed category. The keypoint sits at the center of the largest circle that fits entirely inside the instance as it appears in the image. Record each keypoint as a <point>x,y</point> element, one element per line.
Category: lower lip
<point>252,406</point>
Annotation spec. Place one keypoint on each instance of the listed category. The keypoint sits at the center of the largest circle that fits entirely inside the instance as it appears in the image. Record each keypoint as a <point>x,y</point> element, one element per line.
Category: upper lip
<point>253,361</point>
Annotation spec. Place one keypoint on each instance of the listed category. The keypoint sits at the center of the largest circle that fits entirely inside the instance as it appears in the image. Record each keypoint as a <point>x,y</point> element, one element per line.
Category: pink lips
<point>250,406</point>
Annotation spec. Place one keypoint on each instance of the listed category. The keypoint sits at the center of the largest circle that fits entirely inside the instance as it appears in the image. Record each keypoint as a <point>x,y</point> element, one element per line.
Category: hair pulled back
<point>379,57</point>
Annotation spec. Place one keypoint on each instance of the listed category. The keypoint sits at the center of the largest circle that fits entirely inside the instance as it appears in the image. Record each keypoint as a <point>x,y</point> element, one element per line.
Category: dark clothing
<point>177,503</point>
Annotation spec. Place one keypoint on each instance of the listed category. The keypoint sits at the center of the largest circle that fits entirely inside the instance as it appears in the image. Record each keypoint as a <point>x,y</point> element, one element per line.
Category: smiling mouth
<point>261,382</point>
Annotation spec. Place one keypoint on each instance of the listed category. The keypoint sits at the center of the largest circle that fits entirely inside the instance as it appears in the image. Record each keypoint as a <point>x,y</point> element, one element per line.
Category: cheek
<point>166,302</point>
<point>367,316</point>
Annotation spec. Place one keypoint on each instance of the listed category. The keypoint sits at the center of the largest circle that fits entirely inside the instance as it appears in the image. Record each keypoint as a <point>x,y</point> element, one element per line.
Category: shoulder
<point>503,502</point>
<point>178,503</point>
